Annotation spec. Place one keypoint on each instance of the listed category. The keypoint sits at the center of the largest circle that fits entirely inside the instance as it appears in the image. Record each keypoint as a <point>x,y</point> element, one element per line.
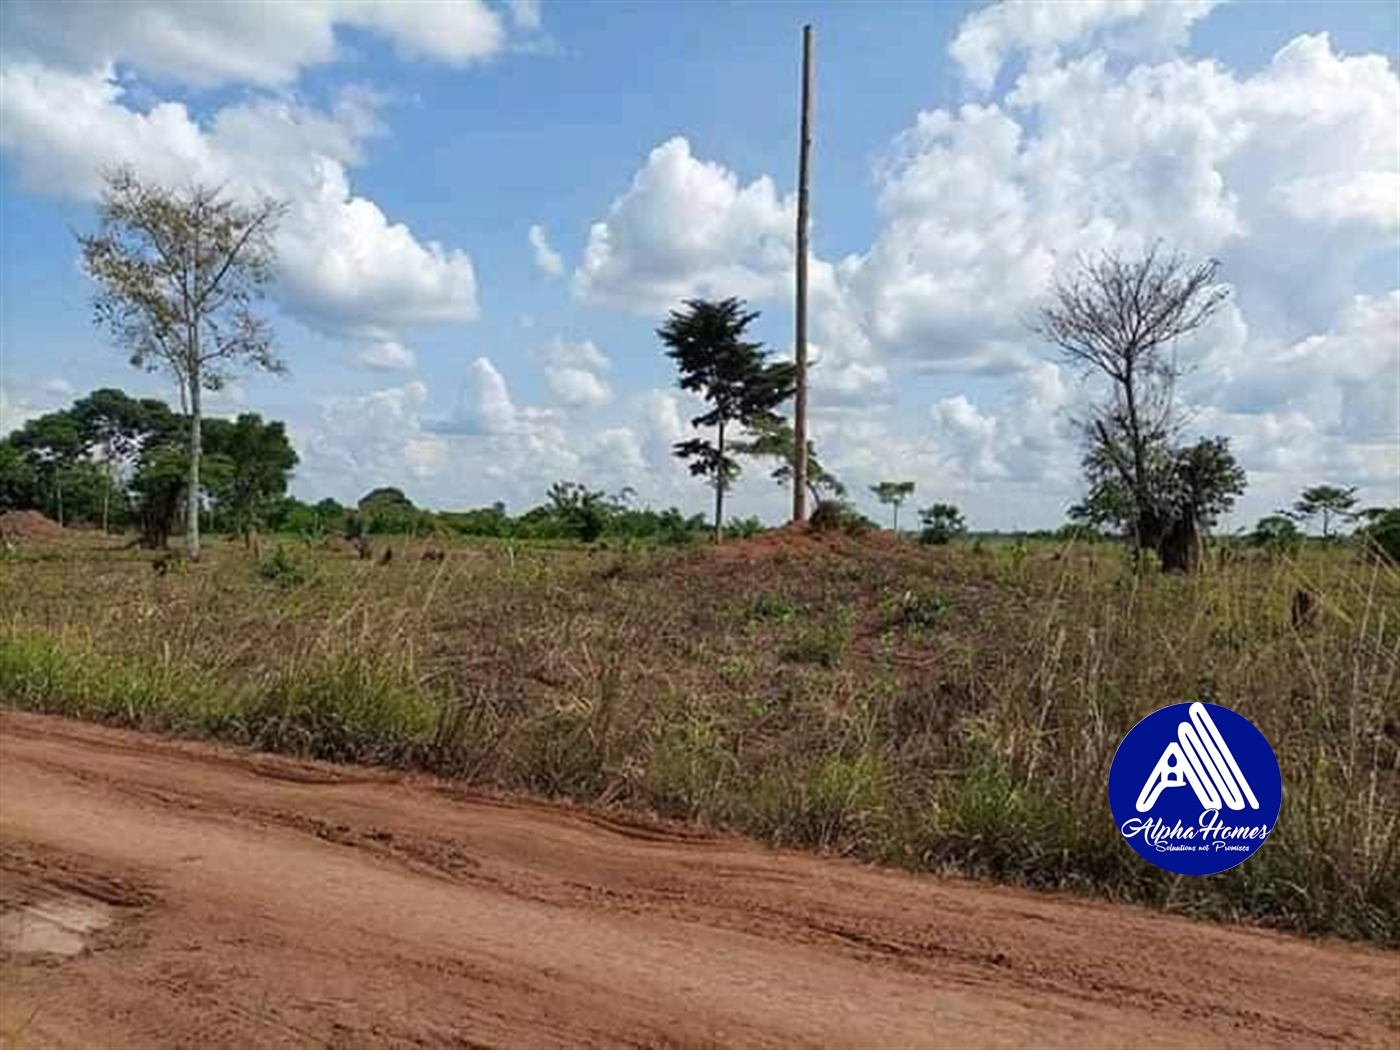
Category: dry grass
<point>935,708</point>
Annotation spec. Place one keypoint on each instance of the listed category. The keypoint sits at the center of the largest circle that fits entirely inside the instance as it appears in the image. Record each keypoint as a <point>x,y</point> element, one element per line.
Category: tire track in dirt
<point>261,901</point>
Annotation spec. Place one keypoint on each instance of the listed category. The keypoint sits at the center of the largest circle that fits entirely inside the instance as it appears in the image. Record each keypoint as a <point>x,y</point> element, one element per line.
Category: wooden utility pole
<point>799,414</point>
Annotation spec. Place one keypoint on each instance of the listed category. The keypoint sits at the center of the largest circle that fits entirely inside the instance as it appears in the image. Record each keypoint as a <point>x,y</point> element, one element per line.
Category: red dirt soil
<point>252,901</point>
<point>28,526</point>
<point>798,540</point>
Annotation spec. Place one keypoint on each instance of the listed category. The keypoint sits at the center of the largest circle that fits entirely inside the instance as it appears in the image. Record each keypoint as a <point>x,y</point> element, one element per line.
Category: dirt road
<point>209,897</point>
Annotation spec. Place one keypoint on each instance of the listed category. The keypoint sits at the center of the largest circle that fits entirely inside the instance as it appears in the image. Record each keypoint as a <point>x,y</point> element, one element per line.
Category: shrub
<point>824,642</point>
<point>831,801</point>
<point>1277,534</point>
<point>827,515</point>
<point>914,609</point>
<point>837,515</point>
<point>743,528</point>
<point>772,608</point>
<point>284,568</point>
<point>688,767</point>
<point>942,522</point>
<point>1383,534</point>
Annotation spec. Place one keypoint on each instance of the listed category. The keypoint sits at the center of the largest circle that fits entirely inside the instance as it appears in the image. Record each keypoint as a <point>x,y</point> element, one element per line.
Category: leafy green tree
<point>942,522</point>
<point>52,444</point>
<point>1187,490</point>
<point>114,426</point>
<point>109,450</point>
<point>893,493</point>
<point>178,275</point>
<point>259,460</point>
<point>19,485</point>
<point>103,431</point>
<point>707,341</point>
<point>483,521</point>
<point>581,513</point>
<point>1328,501</point>
<point>159,485</point>
<point>1382,531</point>
<point>1277,533</point>
<point>388,510</point>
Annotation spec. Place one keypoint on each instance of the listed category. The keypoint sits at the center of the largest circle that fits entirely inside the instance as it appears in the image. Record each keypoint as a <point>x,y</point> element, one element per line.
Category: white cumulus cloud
<point>259,42</point>
<point>546,258</point>
<point>345,267</point>
<point>687,227</point>
<point>989,37</point>
<point>388,356</point>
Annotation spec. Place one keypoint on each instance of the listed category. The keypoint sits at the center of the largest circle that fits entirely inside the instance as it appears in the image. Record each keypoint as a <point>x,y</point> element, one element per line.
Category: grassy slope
<point>935,708</point>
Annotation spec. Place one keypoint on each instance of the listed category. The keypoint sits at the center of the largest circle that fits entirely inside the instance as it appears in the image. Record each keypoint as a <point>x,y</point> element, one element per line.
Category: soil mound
<point>800,540</point>
<point>28,526</point>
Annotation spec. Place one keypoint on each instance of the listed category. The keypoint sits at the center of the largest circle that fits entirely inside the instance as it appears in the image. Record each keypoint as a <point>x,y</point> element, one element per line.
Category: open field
<point>949,709</point>
<point>239,900</point>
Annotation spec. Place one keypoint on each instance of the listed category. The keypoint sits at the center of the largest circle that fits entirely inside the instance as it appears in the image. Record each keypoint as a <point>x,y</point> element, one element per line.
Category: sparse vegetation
<point>930,707</point>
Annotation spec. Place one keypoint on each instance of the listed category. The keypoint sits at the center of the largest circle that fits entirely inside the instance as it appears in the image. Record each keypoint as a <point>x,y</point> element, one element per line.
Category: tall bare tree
<point>1119,317</point>
<point>178,274</point>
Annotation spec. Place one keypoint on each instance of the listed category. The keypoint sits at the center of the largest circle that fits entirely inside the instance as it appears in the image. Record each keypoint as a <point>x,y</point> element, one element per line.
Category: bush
<point>688,767</point>
<point>1383,534</point>
<point>284,568</point>
<point>942,522</point>
<point>743,528</point>
<point>1277,534</point>
<point>836,515</point>
<point>772,608</point>
<point>827,515</point>
<point>915,610</point>
<point>830,801</point>
<point>824,642</point>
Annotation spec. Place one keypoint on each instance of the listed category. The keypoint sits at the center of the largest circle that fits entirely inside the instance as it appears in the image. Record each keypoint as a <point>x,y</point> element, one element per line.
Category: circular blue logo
<point>1195,788</point>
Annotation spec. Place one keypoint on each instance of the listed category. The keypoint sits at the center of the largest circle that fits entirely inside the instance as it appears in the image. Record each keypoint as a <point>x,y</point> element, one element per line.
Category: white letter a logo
<point>1200,758</point>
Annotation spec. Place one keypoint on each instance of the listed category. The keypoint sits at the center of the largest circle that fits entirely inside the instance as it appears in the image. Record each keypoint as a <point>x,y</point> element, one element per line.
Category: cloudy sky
<point>494,205</point>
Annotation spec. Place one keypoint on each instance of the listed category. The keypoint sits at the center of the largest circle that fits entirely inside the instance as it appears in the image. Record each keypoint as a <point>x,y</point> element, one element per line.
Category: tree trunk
<point>1179,547</point>
<point>719,488</point>
<point>896,519</point>
<point>1140,495</point>
<point>192,496</point>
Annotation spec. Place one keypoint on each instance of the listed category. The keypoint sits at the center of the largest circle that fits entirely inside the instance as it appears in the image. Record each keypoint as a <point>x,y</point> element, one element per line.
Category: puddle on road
<point>59,926</point>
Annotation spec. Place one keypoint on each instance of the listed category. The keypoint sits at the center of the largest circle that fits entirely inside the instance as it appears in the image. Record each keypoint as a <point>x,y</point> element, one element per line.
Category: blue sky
<point>964,155</point>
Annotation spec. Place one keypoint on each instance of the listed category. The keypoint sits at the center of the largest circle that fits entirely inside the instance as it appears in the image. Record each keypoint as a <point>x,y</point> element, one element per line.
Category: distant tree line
<point>571,511</point>
<point>118,462</point>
